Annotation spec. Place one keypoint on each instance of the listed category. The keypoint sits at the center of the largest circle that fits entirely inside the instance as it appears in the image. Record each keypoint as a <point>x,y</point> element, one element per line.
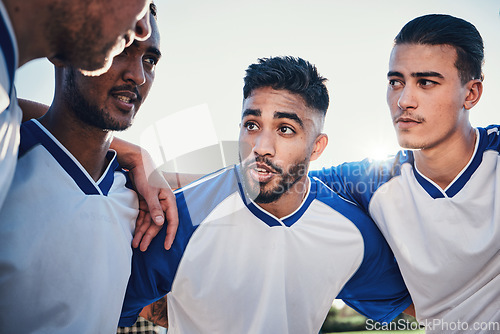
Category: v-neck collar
<point>461,179</point>
<point>68,162</point>
<point>270,219</point>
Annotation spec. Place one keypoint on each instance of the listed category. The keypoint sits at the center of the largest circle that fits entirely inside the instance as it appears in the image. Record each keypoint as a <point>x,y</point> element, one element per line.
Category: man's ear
<point>319,146</point>
<point>475,90</point>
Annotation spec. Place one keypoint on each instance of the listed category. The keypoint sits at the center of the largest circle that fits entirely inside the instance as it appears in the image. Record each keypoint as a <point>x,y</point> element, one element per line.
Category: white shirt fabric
<point>10,113</point>
<point>446,242</point>
<point>66,242</point>
<point>235,268</point>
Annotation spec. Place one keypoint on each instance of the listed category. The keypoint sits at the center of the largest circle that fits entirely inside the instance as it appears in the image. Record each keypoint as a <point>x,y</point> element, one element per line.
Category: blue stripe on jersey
<point>270,220</point>
<point>428,186</point>
<point>476,161</point>
<point>7,46</point>
<point>358,181</point>
<point>214,190</point>
<point>107,180</point>
<point>289,221</point>
<point>32,134</point>
<point>265,217</point>
<point>370,291</point>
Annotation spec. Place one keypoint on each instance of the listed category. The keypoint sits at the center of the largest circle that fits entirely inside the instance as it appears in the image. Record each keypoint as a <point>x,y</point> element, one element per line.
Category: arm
<point>410,310</point>
<point>358,181</point>
<point>178,180</point>
<point>153,190</point>
<point>156,312</point>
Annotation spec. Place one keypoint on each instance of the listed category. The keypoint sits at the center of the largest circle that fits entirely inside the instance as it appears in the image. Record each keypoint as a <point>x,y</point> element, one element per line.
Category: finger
<point>151,232</point>
<point>172,219</point>
<point>155,208</point>
<point>141,229</point>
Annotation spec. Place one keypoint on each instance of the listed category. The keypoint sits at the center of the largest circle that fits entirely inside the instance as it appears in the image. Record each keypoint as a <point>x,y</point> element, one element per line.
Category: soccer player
<point>437,202</point>
<point>257,250</point>
<point>68,218</point>
<point>85,35</point>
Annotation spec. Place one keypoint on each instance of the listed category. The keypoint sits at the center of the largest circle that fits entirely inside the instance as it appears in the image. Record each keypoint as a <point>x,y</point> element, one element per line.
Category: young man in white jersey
<point>69,215</point>
<point>257,250</point>
<point>85,35</point>
<point>438,202</point>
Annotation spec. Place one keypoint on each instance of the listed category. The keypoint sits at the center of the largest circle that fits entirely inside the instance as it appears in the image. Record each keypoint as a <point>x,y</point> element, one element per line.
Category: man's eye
<point>286,130</point>
<point>395,83</point>
<point>151,60</point>
<point>250,126</point>
<point>426,83</point>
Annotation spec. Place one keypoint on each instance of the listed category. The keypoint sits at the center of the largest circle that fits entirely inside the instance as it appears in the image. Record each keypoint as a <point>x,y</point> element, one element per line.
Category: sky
<point>195,102</point>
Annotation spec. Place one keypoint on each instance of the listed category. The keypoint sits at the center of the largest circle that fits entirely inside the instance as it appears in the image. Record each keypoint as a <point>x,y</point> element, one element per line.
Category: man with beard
<point>68,218</point>
<point>82,34</point>
<point>85,35</point>
<point>257,250</point>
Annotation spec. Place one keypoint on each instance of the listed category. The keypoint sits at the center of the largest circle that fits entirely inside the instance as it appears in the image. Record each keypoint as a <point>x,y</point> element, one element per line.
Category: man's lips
<point>125,99</point>
<point>261,173</point>
<point>406,122</point>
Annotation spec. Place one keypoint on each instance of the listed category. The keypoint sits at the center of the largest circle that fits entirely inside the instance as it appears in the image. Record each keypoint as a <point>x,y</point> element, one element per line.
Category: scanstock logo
<point>187,142</point>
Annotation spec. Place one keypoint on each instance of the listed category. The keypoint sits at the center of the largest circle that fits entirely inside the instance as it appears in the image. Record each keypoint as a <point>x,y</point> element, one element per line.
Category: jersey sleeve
<point>153,271</point>
<point>377,289</point>
<point>357,181</point>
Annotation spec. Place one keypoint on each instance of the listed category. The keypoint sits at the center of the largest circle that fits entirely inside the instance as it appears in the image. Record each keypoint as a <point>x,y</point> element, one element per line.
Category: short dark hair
<point>293,74</point>
<point>436,29</point>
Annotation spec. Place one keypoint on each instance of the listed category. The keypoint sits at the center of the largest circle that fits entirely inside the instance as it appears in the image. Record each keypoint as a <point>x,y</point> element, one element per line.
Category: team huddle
<point>263,246</point>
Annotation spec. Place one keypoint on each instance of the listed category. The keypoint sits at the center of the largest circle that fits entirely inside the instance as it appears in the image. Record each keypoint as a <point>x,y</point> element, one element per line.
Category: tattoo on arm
<point>157,312</point>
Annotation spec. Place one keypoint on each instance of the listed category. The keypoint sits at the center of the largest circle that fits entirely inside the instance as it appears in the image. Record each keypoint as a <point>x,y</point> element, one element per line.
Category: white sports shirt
<point>10,113</point>
<point>65,242</point>
<point>446,242</point>
<point>235,268</point>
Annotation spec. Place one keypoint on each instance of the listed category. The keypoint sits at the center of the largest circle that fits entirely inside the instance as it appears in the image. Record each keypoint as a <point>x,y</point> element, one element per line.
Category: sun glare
<point>380,153</point>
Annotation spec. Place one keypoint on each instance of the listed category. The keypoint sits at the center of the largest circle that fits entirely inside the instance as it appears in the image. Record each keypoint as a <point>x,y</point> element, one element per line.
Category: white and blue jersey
<point>446,242</point>
<point>235,268</point>
<point>10,113</point>
<point>65,241</point>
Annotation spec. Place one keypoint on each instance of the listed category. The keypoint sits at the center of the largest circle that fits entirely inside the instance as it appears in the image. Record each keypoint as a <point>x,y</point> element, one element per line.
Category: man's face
<point>425,95</point>
<point>111,101</point>
<point>277,136</point>
<point>88,34</point>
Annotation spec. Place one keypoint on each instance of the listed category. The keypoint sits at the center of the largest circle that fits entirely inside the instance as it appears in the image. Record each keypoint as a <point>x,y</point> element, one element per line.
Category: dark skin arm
<point>157,200</point>
<point>156,312</point>
<point>410,310</point>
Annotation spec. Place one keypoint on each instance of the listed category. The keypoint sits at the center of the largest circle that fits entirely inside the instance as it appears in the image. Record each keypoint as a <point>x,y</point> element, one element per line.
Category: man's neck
<point>87,144</point>
<point>443,163</point>
<point>290,201</point>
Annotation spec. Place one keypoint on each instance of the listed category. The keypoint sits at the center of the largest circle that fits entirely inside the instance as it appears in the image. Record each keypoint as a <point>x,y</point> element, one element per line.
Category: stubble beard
<point>87,112</point>
<point>257,190</point>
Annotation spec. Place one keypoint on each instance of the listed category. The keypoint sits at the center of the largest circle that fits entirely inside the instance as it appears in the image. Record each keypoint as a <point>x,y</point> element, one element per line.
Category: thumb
<point>155,210</point>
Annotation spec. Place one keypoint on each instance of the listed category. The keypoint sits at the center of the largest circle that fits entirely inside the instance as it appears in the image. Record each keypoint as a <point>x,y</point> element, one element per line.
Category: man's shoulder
<point>349,209</point>
<point>489,137</point>
<point>201,197</point>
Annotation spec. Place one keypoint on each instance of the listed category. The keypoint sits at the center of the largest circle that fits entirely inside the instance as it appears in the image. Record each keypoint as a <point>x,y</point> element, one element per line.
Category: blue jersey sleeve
<point>377,289</point>
<point>357,181</point>
<point>153,271</point>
